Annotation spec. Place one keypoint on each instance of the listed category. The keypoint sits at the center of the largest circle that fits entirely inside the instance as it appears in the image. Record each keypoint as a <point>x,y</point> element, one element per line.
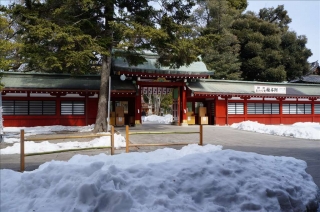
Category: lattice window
<point>8,107</point>
<point>263,108</point>
<point>317,109</point>
<point>72,108</point>
<point>296,108</point>
<point>235,108</point>
<point>14,107</point>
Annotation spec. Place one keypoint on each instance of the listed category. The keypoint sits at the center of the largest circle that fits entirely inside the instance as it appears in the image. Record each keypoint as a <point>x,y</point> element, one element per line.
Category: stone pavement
<point>307,150</point>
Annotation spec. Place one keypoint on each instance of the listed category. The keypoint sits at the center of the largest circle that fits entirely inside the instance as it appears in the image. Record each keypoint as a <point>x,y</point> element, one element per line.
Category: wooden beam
<point>65,137</point>
<point>112,140</point>
<point>127,139</point>
<point>160,84</point>
<point>201,135</point>
<point>164,144</point>
<point>22,166</point>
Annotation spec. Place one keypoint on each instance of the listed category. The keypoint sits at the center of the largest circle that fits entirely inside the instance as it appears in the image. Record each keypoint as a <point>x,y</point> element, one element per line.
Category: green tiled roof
<point>244,87</point>
<point>150,65</point>
<point>60,81</point>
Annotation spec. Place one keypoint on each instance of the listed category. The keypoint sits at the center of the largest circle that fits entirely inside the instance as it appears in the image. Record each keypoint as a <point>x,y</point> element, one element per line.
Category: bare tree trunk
<point>101,123</point>
<point>157,103</point>
<point>149,104</point>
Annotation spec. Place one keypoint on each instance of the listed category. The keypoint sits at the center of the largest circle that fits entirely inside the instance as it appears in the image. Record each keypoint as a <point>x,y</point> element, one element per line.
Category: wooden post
<point>22,150</point>
<point>201,135</point>
<point>127,138</point>
<point>112,140</point>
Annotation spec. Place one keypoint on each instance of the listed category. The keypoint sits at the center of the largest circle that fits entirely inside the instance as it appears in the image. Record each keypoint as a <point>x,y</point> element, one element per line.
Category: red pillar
<point>280,109</point>
<point>312,110</point>
<point>138,106</point>
<point>245,108</point>
<point>58,108</point>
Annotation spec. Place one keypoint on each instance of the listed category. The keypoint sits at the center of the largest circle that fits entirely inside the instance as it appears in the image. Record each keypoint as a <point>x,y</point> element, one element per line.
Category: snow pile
<point>45,146</point>
<point>192,179</point>
<point>167,119</point>
<point>298,130</point>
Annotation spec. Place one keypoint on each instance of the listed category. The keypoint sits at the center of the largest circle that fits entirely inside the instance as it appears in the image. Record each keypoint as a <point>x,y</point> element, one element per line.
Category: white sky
<point>305,17</point>
<point>194,178</point>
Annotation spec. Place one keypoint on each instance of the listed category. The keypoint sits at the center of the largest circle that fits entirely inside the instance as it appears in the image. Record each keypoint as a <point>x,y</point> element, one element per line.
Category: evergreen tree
<point>295,55</point>
<point>213,19</point>
<point>79,36</point>
<point>260,53</point>
<point>240,5</point>
<point>159,101</point>
<point>269,51</point>
<point>294,51</point>
<point>9,43</point>
<point>166,102</point>
<point>278,16</point>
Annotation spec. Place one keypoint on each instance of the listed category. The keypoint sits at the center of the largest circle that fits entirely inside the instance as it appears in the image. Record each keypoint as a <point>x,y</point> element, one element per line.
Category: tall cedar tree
<point>269,51</point>
<point>78,37</point>
<point>213,19</point>
<point>9,43</point>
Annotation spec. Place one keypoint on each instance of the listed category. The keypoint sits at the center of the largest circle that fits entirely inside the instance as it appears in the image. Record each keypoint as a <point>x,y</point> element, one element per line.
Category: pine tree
<point>213,19</point>
<point>260,52</point>
<point>269,51</point>
<point>9,43</point>
<point>294,51</point>
<point>78,37</point>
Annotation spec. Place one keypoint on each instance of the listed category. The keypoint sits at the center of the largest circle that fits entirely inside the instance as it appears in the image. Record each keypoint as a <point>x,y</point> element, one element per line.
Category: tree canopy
<point>213,20</point>
<point>9,43</point>
<point>269,51</point>
<point>78,37</point>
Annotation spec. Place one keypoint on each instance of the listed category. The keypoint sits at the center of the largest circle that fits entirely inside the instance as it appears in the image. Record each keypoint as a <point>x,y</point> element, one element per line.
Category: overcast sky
<point>305,19</point>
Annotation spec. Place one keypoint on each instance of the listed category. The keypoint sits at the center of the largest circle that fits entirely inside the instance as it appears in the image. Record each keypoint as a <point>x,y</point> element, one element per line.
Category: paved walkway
<point>307,150</point>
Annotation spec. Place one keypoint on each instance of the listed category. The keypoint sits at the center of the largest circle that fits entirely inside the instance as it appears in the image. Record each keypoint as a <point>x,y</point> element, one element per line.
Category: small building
<point>312,77</point>
<point>229,102</point>
<point>58,99</point>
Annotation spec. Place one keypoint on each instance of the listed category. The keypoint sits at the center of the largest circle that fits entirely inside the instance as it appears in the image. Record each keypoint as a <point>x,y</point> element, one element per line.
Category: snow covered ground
<point>12,136</point>
<point>297,130</point>
<point>194,178</point>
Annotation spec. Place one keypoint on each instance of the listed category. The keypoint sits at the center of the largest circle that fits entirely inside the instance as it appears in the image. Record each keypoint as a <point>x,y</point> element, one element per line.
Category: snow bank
<point>45,146</point>
<point>192,179</point>
<point>167,119</point>
<point>307,130</point>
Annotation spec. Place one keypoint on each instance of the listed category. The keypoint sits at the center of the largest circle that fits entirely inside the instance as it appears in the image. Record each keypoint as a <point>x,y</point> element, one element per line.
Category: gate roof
<point>150,67</point>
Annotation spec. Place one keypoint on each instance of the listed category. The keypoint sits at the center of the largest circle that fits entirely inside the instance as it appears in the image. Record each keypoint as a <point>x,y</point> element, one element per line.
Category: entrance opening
<point>157,105</point>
